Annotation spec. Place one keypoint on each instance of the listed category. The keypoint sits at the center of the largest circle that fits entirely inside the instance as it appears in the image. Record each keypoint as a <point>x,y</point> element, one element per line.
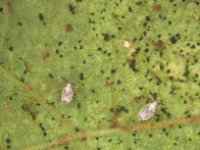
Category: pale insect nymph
<point>67,93</point>
<point>148,111</point>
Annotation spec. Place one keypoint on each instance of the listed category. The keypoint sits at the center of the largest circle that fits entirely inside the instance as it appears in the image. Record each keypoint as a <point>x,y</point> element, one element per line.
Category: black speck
<point>41,16</point>
<point>134,133</point>
<point>1,9</point>
<point>59,43</point>
<point>8,141</point>
<point>66,147</point>
<point>81,76</point>
<point>81,46</point>
<point>147,18</point>
<point>173,40</point>
<point>137,50</point>
<point>77,129</point>
<point>132,65</point>
<point>99,49</point>
<point>198,133</point>
<point>78,105</point>
<point>168,71</point>
<point>150,135</point>
<point>119,28</point>
<point>118,82</point>
<point>57,51</point>
<point>113,71</point>
<point>51,76</point>
<point>43,129</point>
<point>146,50</point>
<point>186,72</point>
<point>106,37</point>
<point>84,61</point>
<point>193,47</point>
<point>8,146</point>
<point>71,8</point>
<point>19,23</point>
<point>11,48</point>
<point>130,9</point>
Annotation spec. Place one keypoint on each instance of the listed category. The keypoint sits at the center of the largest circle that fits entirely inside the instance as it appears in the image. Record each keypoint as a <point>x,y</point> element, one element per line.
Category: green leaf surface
<point>46,43</point>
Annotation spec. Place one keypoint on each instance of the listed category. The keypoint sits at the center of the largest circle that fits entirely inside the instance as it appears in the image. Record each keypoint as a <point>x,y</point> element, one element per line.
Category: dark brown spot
<point>71,8</point>
<point>68,28</point>
<point>156,7</point>
<point>45,55</point>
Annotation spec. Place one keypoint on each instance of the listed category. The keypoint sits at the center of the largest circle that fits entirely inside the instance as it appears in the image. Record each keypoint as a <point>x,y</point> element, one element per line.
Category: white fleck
<point>67,93</point>
<point>126,43</point>
<point>148,111</point>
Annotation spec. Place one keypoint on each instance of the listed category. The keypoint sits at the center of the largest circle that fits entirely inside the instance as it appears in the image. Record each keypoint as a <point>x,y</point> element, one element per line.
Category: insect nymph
<point>148,111</point>
<point>67,93</point>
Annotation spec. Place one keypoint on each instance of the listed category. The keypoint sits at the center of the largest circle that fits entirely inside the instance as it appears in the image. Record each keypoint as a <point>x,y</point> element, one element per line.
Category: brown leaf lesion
<point>68,28</point>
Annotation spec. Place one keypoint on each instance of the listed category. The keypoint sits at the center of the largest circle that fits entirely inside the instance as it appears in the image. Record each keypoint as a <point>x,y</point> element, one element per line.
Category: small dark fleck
<point>66,147</point>
<point>173,39</point>
<point>147,18</point>
<point>11,48</point>
<point>150,135</point>
<point>106,37</point>
<point>175,143</point>
<point>8,141</point>
<point>81,76</point>
<point>130,9</point>
<point>57,51</point>
<point>1,9</point>
<point>113,71</point>
<point>137,50</point>
<point>41,16</point>
<point>119,28</point>
<point>38,104</point>
<point>59,43</point>
<point>99,49</point>
<point>78,105</point>
<point>71,8</point>
<point>132,65</point>
<point>19,23</point>
<point>134,133</point>
<point>186,72</point>
<point>77,129</point>
<point>146,50</point>
<point>8,146</point>
<point>168,71</point>
<point>118,82</point>
<point>198,133</point>
<point>51,76</point>
<point>84,61</point>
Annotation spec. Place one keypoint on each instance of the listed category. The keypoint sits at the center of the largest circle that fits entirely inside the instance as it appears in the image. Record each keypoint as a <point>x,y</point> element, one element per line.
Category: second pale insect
<point>148,111</point>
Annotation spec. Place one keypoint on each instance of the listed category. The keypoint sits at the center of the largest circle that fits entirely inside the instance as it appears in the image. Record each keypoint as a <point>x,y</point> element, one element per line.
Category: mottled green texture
<point>44,41</point>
